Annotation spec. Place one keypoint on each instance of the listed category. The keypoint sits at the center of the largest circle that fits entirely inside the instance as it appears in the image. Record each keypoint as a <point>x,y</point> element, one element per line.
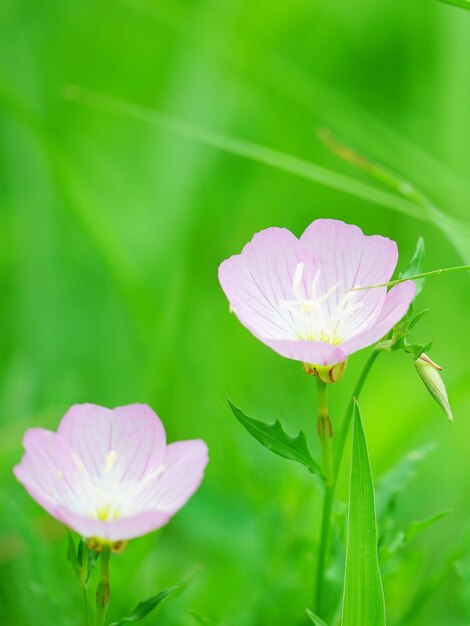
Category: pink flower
<point>295,295</point>
<point>109,473</point>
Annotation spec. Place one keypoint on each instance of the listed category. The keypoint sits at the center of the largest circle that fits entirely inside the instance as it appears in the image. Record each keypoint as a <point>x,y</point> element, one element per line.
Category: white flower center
<point>314,318</point>
<point>109,496</point>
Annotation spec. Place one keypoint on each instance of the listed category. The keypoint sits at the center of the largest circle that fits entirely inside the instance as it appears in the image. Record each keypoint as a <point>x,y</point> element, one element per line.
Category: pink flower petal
<point>347,255</point>
<point>298,297</point>
<point>184,466</point>
<point>348,258</point>
<point>258,281</point>
<point>49,470</point>
<point>397,303</point>
<point>122,443</point>
<point>126,492</point>
<point>115,530</point>
<point>314,352</point>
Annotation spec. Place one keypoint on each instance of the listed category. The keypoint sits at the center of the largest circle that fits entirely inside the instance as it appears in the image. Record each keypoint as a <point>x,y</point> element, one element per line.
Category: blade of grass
<point>247,149</point>
<point>457,231</point>
<point>363,601</point>
<point>305,90</point>
<point>463,4</point>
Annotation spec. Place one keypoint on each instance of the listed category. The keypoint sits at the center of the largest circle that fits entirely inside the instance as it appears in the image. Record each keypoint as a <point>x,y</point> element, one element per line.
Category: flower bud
<point>326,373</point>
<point>429,374</point>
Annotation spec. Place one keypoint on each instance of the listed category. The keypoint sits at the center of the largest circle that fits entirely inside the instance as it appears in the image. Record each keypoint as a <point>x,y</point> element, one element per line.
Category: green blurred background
<point>111,232</point>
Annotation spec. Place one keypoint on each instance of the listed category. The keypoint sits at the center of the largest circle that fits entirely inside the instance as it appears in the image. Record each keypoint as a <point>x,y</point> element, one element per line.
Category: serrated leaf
<point>315,619</point>
<point>363,601</point>
<point>404,537</point>
<point>274,438</point>
<point>415,266</point>
<point>398,478</point>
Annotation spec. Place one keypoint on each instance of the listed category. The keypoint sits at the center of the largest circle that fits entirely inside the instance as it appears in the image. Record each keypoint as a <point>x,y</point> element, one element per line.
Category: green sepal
<point>274,438</point>
<point>398,337</point>
<point>81,558</point>
<point>91,557</point>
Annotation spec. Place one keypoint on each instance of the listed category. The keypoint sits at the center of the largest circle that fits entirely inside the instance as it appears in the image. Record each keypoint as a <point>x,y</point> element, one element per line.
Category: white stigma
<point>314,319</point>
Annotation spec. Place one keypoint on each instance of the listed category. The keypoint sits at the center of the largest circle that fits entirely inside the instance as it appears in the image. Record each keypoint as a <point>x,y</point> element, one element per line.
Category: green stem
<point>86,605</point>
<point>325,431</point>
<point>103,592</point>
<point>445,270</point>
<point>331,468</point>
<point>320,596</point>
<point>325,434</point>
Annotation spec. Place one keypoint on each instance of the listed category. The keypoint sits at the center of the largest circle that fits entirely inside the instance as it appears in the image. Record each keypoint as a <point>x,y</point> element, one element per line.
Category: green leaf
<point>404,537</point>
<point>315,619</point>
<point>398,478</point>
<point>145,607</point>
<point>416,527</point>
<point>273,437</point>
<point>363,602</point>
<point>82,552</point>
<point>398,338</point>
<point>72,555</point>
<point>415,266</point>
<point>91,558</point>
<point>82,559</point>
